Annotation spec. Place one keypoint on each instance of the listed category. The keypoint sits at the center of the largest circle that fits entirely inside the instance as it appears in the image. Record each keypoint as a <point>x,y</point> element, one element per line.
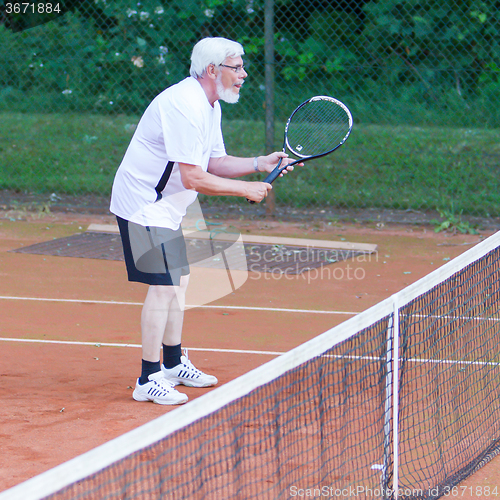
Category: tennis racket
<point>316,128</point>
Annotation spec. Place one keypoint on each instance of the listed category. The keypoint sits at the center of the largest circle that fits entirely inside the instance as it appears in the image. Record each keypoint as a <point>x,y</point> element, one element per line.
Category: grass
<point>402,167</point>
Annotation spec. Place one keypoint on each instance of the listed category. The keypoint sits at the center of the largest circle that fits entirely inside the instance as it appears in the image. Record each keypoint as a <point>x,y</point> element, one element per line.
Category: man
<point>177,151</point>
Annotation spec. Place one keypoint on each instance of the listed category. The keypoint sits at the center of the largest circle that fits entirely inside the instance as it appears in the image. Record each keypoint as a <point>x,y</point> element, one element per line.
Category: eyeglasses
<point>237,69</point>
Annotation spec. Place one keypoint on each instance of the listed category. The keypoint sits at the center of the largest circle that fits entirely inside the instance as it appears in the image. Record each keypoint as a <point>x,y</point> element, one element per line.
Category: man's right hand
<point>257,191</point>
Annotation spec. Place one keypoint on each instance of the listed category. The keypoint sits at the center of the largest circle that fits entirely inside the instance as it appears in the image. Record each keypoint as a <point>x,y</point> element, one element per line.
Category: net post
<point>395,389</point>
<point>389,383</point>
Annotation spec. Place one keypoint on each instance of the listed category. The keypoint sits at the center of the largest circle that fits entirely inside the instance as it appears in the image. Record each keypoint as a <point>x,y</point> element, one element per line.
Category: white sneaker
<point>159,390</point>
<point>186,374</point>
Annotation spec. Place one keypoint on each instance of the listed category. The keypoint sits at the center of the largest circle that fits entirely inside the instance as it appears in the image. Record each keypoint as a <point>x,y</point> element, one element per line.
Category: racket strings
<point>317,128</point>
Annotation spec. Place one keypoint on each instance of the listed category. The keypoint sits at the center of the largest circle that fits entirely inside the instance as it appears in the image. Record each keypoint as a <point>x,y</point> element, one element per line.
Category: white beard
<point>227,95</point>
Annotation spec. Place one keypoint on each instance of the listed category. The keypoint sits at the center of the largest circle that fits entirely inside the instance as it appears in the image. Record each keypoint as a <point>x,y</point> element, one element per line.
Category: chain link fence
<point>421,79</point>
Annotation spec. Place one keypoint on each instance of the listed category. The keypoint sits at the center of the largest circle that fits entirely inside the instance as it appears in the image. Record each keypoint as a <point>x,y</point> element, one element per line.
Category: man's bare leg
<point>162,318</point>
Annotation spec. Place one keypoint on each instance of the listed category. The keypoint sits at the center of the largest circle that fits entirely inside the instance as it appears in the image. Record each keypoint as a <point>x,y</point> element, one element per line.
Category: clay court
<point>70,326</point>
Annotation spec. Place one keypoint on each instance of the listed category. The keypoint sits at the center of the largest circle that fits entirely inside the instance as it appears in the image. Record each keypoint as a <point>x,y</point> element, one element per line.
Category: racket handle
<point>275,173</point>
<point>272,176</point>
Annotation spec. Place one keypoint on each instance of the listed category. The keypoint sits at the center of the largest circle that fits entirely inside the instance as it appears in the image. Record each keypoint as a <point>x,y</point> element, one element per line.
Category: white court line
<point>109,302</point>
<point>460,362</point>
<point>243,308</point>
<point>454,318</point>
<point>239,351</point>
<point>107,344</point>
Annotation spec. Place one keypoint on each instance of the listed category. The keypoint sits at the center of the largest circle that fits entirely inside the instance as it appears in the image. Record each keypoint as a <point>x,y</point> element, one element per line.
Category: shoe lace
<point>164,384</point>
<point>187,363</point>
<point>191,367</point>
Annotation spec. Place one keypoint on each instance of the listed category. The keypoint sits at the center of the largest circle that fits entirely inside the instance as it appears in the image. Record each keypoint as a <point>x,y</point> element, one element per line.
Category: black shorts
<point>153,255</point>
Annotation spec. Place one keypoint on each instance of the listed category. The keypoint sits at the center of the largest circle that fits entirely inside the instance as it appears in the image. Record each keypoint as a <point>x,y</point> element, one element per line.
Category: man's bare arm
<point>194,177</point>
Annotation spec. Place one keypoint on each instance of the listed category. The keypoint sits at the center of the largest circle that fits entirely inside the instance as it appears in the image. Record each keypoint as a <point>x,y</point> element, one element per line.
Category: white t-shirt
<point>179,126</point>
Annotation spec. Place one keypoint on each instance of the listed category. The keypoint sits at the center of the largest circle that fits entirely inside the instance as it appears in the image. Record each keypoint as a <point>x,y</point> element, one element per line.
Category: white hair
<point>212,51</point>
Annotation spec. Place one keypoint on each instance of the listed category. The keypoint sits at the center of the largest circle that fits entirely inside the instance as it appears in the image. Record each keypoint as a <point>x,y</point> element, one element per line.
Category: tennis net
<point>400,401</point>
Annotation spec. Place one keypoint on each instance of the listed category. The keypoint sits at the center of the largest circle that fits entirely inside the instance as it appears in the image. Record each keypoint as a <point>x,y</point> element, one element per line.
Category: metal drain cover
<point>266,258</point>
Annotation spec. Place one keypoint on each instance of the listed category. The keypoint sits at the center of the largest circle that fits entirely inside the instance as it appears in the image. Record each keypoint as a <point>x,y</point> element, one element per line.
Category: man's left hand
<point>268,163</point>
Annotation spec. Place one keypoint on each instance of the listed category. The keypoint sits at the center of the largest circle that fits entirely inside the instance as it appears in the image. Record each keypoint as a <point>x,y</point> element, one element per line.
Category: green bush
<point>425,62</point>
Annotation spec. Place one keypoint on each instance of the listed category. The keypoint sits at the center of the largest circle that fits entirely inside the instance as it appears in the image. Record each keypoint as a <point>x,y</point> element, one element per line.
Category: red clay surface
<point>59,401</point>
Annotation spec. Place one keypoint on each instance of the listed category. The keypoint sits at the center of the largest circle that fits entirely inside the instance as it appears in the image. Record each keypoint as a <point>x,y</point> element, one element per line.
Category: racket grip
<point>274,174</point>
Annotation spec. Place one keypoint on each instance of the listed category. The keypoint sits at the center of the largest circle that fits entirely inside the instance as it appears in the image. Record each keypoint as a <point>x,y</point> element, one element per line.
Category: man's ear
<point>211,72</point>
